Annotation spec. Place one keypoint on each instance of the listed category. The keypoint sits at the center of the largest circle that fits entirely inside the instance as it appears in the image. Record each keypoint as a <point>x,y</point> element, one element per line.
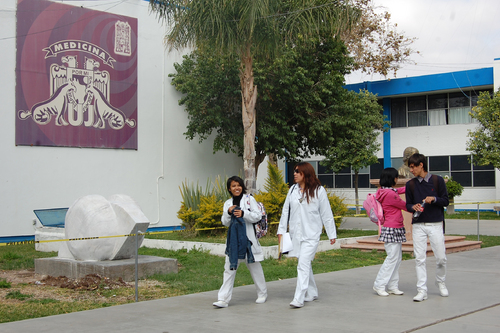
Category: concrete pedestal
<point>113,269</point>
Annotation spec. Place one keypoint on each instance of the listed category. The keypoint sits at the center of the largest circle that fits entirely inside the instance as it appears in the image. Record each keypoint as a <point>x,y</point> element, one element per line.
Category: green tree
<point>484,142</point>
<point>297,90</point>
<point>250,30</point>
<point>359,121</point>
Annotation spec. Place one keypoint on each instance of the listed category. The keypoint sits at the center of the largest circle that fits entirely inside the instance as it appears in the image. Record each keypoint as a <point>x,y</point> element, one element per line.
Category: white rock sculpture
<point>95,216</point>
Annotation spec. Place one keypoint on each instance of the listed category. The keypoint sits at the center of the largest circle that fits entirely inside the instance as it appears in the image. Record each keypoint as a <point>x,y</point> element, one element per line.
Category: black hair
<point>416,159</point>
<point>388,176</point>
<point>239,181</point>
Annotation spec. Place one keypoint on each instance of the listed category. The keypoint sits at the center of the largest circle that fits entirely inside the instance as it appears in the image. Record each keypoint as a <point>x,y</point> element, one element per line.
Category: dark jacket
<point>237,245</point>
<point>418,189</point>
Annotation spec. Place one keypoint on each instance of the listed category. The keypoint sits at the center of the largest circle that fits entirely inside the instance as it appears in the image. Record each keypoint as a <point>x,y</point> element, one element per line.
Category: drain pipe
<point>162,154</point>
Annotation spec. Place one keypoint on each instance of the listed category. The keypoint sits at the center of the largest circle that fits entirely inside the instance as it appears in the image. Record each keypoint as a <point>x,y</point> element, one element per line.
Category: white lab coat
<point>305,224</point>
<point>306,219</point>
<point>251,215</point>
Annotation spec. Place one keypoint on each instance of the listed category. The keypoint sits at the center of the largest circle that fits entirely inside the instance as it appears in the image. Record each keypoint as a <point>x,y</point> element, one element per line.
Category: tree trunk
<point>249,99</point>
<point>451,207</point>
<point>356,194</point>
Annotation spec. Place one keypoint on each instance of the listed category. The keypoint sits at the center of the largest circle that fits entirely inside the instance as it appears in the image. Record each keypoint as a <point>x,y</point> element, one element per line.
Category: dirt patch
<point>62,288</point>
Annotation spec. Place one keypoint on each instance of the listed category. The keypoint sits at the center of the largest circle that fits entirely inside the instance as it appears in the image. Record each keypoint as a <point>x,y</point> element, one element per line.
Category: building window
<point>434,110</point>
<point>462,170</point>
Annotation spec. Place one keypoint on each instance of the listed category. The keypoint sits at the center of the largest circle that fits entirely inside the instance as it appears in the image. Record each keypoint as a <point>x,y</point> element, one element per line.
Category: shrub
<point>210,213</point>
<point>275,193</point>
<point>454,188</point>
<point>339,208</point>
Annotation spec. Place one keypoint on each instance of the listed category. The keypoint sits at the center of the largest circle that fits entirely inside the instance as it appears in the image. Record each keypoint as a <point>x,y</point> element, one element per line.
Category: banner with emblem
<point>76,77</point>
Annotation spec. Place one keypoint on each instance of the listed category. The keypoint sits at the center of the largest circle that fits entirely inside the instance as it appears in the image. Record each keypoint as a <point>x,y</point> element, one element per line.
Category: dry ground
<point>65,289</point>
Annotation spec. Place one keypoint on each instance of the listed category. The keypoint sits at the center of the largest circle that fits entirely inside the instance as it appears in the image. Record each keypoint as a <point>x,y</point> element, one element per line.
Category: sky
<point>452,35</point>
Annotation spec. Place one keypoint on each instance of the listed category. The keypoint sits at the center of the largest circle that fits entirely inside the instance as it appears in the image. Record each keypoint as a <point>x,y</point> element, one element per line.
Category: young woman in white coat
<point>243,206</point>
<point>306,211</point>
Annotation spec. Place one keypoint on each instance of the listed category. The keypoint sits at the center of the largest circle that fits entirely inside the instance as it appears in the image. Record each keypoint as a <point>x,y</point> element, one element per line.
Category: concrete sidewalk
<point>346,303</point>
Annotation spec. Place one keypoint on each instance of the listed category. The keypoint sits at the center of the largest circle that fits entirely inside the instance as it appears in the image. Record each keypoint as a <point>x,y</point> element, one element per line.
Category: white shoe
<point>381,292</point>
<point>421,296</point>
<point>220,304</point>
<point>442,289</point>
<point>395,292</point>
<point>261,300</point>
<point>296,304</point>
<point>310,299</point>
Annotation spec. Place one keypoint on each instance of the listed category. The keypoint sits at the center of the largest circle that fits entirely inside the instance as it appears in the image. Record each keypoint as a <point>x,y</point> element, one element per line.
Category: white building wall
<point>51,177</point>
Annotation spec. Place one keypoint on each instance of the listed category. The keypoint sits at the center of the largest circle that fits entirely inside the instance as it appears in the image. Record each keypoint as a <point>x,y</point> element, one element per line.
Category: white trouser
<point>226,290</point>
<point>436,237</point>
<point>388,274</point>
<point>306,286</point>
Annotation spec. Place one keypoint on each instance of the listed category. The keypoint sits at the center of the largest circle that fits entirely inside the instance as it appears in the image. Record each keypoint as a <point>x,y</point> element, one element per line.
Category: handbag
<point>286,244</point>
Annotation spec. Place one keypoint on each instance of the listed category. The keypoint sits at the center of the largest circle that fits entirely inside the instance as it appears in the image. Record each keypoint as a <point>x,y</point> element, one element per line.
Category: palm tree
<point>249,30</point>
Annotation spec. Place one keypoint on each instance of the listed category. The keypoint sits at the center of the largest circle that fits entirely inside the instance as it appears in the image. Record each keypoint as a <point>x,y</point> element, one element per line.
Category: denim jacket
<point>237,245</point>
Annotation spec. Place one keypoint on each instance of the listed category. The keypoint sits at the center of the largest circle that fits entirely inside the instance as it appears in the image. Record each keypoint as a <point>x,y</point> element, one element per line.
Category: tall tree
<point>360,120</point>
<point>250,30</point>
<point>297,89</point>
<point>484,143</point>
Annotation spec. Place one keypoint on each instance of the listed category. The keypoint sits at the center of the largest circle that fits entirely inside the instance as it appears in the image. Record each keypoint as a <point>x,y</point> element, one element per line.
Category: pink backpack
<point>374,210</point>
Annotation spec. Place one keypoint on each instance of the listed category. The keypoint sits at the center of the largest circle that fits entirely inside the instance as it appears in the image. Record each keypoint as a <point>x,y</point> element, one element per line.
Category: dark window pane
<point>439,163</point>
<point>464,178</point>
<point>342,181</point>
<point>364,181</point>
<point>484,178</point>
<point>323,170</point>
<point>483,167</point>
<point>376,169</point>
<point>417,103</point>
<point>459,99</point>
<point>398,112</point>
<point>290,167</point>
<point>326,180</point>
<point>438,101</point>
<point>460,162</point>
<point>417,118</point>
<point>345,170</point>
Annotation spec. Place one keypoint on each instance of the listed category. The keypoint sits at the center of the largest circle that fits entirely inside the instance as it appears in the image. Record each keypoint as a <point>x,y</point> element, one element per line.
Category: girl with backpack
<point>392,233</point>
<point>239,214</point>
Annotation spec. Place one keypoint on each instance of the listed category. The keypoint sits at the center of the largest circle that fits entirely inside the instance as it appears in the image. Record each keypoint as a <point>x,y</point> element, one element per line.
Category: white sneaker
<point>220,304</point>
<point>310,299</point>
<point>261,300</point>
<point>395,292</point>
<point>381,292</point>
<point>296,304</point>
<point>442,289</point>
<point>421,296</point>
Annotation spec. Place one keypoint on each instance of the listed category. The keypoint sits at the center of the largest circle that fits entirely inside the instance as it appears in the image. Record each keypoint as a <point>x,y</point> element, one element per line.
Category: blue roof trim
<point>427,83</point>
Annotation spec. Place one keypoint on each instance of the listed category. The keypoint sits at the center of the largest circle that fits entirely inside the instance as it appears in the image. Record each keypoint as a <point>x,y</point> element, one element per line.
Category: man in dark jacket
<point>427,193</point>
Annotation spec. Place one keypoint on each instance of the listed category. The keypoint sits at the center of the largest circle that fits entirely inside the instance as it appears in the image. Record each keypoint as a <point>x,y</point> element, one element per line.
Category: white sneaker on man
<point>220,304</point>
<point>395,292</point>
<point>442,289</point>
<point>296,304</point>
<point>381,292</point>
<point>421,296</point>
<point>261,299</point>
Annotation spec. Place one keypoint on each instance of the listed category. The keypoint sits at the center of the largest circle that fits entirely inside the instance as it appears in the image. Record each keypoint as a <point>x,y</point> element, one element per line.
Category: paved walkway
<point>346,304</point>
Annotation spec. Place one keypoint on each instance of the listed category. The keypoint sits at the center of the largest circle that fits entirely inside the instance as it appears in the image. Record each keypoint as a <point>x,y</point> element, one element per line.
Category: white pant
<point>226,290</point>
<point>306,286</point>
<point>388,274</point>
<point>436,237</point>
